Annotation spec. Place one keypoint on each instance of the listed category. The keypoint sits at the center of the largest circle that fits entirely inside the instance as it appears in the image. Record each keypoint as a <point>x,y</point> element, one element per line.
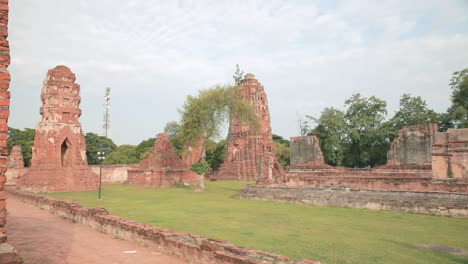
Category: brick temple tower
<point>250,154</point>
<point>59,152</point>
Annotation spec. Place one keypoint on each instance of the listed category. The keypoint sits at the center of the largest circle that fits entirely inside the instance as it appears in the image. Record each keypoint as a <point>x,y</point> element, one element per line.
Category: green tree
<point>332,132</point>
<point>24,138</point>
<point>412,111</point>
<point>124,154</point>
<point>458,111</point>
<point>364,117</point>
<point>282,150</point>
<point>238,75</point>
<point>173,130</point>
<point>96,143</point>
<point>144,148</point>
<point>215,153</point>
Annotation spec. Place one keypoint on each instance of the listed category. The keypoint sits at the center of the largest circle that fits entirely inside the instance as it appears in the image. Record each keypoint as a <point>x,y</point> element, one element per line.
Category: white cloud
<point>309,55</point>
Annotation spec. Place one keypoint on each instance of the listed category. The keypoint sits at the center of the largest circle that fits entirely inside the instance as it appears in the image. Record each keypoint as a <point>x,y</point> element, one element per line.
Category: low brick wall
<point>114,173</point>
<point>193,248</point>
<point>433,203</point>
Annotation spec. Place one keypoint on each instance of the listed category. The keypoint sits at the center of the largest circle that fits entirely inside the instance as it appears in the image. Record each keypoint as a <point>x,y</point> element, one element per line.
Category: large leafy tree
<point>458,111</point>
<point>96,143</point>
<point>173,129</point>
<point>123,154</point>
<point>332,132</point>
<point>24,138</point>
<point>412,111</point>
<point>215,153</point>
<point>282,150</point>
<point>143,149</point>
<point>364,117</point>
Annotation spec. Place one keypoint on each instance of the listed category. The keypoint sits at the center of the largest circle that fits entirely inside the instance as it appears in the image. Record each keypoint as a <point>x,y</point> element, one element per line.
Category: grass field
<point>331,235</point>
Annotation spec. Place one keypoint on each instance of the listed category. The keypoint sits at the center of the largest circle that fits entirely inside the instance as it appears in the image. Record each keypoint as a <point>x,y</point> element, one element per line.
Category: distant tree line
<point>360,136</point>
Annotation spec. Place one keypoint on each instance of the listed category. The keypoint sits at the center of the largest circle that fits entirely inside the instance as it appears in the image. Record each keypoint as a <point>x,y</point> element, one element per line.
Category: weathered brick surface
<point>163,168</point>
<point>306,152</point>
<point>412,147</point>
<point>15,159</point>
<point>8,254</point>
<point>197,249</point>
<point>450,154</point>
<point>59,151</point>
<point>15,165</point>
<point>250,154</point>
<point>444,204</point>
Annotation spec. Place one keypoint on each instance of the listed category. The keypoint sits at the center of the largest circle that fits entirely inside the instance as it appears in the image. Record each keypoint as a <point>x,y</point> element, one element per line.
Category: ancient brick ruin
<point>15,159</point>
<point>163,168</point>
<point>15,165</point>
<point>306,152</point>
<point>412,147</point>
<point>59,151</point>
<point>250,154</point>
<point>406,183</point>
<point>450,154</point>
<point>8,254</point>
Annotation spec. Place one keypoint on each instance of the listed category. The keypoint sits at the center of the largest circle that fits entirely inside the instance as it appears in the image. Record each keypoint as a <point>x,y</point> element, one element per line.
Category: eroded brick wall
<point>305,151</point>
<point>413,146</point>
<point>163,168</point>
<point>4,107</point>
<point>450,154</point>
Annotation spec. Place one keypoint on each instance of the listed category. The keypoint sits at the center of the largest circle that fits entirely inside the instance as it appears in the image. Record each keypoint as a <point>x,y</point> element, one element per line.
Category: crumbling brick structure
<point>15,159</point>
<point>163,168</point>
<point>450,154</point>
<point>306,152</point>
<point>412,147</point>
<point>250,154</point>
<point>59,151</point>
<point>15,165</point>
<point>8,254</point>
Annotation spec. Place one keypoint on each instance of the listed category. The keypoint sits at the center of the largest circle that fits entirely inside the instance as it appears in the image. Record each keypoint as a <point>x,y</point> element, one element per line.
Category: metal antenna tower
<point>106,124</point>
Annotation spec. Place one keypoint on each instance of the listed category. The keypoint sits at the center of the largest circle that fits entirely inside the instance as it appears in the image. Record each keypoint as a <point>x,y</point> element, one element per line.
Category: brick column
<point>8,254</point>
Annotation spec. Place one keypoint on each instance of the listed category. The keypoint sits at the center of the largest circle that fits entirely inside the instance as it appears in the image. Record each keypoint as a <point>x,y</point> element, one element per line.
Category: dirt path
<point>44,238</point>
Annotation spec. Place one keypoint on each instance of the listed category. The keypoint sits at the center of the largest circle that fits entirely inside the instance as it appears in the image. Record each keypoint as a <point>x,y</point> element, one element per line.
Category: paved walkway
<point>44,238</point>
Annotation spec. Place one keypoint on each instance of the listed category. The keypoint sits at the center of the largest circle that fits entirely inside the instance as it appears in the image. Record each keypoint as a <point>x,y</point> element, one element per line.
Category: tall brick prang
<point>59,152</point>
<point>250,154</point>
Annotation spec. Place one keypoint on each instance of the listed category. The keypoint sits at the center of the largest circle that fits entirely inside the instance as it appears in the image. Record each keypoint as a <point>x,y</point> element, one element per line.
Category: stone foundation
<point>443,204</point>
<point>117,173</point>
<point>193,248</point>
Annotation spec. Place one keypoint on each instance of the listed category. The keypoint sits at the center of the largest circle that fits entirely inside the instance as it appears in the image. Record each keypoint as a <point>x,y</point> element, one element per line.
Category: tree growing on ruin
<point>204,116</point>
<point>238,75</point>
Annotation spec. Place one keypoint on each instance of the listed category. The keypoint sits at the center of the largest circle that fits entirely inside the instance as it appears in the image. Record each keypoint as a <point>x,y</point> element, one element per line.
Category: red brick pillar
<point>7,253</point>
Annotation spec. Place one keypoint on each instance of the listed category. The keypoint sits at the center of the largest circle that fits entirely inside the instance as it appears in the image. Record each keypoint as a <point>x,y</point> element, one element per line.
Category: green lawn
<point>332,235</point>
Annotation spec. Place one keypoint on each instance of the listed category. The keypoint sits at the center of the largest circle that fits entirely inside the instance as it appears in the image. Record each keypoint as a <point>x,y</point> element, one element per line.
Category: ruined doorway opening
<point>65,149</point>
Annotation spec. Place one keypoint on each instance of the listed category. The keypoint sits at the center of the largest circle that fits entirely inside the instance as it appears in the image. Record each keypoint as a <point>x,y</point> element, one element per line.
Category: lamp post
<point>101,158</point>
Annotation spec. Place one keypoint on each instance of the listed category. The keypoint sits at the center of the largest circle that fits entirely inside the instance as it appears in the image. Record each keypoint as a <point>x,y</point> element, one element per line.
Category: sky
<point>308,55</point>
